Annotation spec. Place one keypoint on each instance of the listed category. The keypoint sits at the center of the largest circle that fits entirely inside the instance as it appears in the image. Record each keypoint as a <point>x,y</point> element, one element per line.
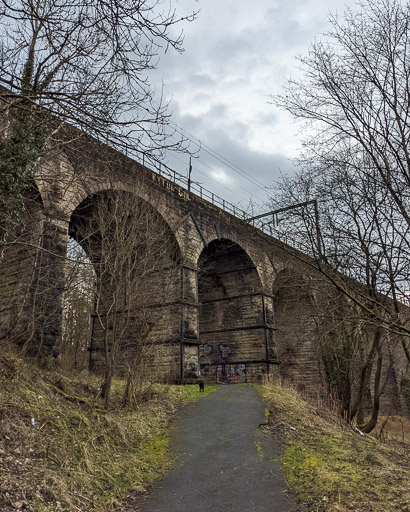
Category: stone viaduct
<point>238,311</point>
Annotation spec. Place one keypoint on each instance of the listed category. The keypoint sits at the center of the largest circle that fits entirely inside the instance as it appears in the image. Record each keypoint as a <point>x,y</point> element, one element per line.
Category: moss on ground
<point>331,466</point>
<point>61,451</point>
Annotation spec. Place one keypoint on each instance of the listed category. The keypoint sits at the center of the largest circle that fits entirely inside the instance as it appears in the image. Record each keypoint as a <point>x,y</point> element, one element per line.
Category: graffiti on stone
<point>191,362</point>
<point>225,351</point>
<point>231,374</point>
<point>191,367</point>
<point>205,351</point>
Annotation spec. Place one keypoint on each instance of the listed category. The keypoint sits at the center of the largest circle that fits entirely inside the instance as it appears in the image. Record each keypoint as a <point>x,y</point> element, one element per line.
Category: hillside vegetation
<point>333,467</point>
<point>60,450</point>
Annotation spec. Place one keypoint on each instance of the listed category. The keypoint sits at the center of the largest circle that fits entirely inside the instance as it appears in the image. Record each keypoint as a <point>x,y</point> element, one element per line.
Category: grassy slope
<point>77,456</point>
<point>332,467</point>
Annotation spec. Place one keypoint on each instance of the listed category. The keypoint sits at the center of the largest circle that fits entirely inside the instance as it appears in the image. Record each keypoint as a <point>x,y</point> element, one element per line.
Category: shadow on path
<point>223,463</point>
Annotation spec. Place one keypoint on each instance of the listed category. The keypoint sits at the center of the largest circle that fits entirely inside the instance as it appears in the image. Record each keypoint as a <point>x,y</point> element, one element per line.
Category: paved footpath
<point>224,464</point>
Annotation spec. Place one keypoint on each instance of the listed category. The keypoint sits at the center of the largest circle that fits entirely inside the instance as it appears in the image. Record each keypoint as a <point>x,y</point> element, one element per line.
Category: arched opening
<point>135,323</point>
<point>234,328</point>
<point>78,307</point>
<point>296,324</point>
<point>24,312</point>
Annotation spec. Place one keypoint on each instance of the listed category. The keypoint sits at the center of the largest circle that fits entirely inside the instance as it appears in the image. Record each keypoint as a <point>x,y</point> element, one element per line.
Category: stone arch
<point>297,343</point>
<point>243,241</point>
<point>102,186</point>
<point>84,206</point>
<point>236,334</point>
<point>156,291</point>
<point>230,246</point>
<point>63,189</point>
<point>19,276</point>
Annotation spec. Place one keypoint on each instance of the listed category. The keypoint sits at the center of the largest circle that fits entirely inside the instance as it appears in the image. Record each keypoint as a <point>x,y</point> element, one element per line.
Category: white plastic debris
<point>39,397</point>
<point>359,431</point>
<point>292,428</point>
<point>33,422</point>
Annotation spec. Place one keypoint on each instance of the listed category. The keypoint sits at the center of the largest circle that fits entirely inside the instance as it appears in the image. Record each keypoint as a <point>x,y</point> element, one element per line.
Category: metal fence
<point>268,228</point>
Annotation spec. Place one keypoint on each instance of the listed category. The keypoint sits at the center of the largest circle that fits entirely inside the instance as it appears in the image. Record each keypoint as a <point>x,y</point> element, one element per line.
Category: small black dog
<point>201,386</point>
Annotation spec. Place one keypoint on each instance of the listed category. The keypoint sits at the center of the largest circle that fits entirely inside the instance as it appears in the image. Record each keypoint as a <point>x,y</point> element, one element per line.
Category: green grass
<point>329,465</point>
<point>78,456</point>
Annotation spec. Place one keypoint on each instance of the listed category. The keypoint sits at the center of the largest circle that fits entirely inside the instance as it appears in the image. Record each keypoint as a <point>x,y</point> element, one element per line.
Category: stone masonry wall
<point>225,302</point>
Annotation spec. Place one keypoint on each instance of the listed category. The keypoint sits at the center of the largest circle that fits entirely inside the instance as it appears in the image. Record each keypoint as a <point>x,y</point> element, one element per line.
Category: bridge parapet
<point>232,317</point>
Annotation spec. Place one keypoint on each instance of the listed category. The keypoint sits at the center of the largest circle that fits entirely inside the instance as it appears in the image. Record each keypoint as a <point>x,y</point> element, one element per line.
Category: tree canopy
<point>353,96</point>
<point>84,64</point>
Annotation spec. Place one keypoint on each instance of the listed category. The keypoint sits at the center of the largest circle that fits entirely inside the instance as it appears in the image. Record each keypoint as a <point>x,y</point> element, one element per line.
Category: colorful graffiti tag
<point>231,374</point>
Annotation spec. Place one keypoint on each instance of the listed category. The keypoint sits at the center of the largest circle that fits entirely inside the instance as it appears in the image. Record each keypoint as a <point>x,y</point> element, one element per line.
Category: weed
<point>61,451</point>
<point>330,466</point>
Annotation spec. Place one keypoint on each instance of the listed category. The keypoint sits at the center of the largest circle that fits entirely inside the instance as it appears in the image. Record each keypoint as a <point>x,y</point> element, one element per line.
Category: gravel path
<point>224,463</point>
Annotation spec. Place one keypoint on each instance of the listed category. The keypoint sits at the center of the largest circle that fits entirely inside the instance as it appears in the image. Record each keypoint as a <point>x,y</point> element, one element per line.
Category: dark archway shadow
<point>232,318</point>
<point>137,261</point>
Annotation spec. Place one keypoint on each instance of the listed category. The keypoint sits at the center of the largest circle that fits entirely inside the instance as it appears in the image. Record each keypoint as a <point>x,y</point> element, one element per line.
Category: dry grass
<point>331,466</point>
<point>395,431</point>
<point>78,456</point>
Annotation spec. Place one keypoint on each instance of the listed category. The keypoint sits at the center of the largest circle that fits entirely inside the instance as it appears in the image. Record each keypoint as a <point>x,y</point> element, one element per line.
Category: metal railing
<point>257,222</point>
<point>196,188</point>
<point>199,190</point>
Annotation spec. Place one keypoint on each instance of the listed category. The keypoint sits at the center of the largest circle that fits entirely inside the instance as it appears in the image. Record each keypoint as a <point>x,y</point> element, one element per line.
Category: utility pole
<point>293,207</point>
<point>189,174</point>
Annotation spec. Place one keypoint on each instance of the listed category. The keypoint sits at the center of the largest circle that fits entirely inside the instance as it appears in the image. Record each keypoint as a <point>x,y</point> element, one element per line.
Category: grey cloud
<point>224,52</point>
<point>201,80</point>
<point>265,168</point>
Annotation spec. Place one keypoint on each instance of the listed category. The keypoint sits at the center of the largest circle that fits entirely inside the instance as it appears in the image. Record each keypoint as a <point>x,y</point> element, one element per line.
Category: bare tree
<point>136,264</point>
<point>354,356</point>
<point>78,306</point>
<point>84,64</point>
<point>354,97</point>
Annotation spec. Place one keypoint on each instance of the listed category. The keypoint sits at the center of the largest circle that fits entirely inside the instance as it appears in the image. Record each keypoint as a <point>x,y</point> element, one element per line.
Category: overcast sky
<point>237,53</point>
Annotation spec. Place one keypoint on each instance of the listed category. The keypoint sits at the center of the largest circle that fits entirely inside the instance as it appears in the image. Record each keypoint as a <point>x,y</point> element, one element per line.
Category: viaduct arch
<point>232,316</point>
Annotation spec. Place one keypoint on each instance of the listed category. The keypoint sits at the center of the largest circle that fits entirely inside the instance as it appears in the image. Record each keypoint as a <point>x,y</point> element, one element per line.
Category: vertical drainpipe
<point>182,362</point>
<point>182,325</point>
<point>266,333</point>
<point>197,318</point>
